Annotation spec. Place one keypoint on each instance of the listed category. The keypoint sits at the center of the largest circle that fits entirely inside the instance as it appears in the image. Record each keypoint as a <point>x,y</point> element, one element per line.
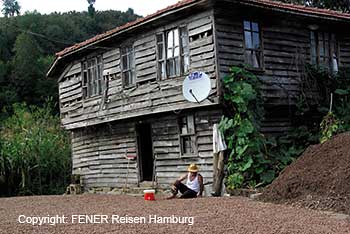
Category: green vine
<point>255,160</point>
<point>247,162</point>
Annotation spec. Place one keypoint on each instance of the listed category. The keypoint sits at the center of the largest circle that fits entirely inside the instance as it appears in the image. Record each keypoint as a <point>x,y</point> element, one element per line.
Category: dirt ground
<point>319,179</point>
<point>210,215</point>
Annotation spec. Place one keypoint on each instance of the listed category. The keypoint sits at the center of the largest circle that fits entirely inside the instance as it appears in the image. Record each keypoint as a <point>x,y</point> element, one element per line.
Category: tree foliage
<point>28,43</point>
<point>248,162</point>
<point>34,152</point>
<point>91,8</point>
<point>340,5</point>
<point>10,8</point>
<point>26,67</point>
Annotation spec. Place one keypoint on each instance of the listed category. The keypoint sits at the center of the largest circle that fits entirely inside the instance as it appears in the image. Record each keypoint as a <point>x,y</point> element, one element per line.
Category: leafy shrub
<point>34,152</point>
<point>254,159</point>
<point>248,164</point>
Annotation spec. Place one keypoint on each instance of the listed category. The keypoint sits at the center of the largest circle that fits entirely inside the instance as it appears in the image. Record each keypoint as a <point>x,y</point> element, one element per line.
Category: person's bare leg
<point>174,191</point>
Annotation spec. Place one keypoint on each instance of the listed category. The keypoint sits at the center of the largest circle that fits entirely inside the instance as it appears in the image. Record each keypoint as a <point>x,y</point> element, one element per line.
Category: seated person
<point>193,187</point>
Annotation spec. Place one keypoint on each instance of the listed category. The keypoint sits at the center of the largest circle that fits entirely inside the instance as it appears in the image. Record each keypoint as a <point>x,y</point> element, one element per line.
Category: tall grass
<point>34,152</point>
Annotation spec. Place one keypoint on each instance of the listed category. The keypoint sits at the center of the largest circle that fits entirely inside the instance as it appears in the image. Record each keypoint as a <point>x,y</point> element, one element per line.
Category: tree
<point>8,94</point>
<point>26,67</point>
<point>28,43</point>
<point>34,152</point>
<point>91,8</point>
<point>10,8</point>
<point>340,5</point>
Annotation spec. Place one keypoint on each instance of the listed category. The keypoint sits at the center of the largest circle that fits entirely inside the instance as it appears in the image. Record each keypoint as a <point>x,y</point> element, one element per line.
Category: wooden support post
<point>218,173</point>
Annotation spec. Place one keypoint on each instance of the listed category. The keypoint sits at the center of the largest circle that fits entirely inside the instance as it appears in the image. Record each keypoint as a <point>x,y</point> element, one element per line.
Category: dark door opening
<point>145,151</point>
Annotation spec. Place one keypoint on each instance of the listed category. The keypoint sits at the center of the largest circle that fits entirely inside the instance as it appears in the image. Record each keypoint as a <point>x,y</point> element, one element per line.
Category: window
<point>173,52</point>
<point>324,50</point>
<point>185,49</point>
<point>187,135</point>
<point>92,77</point>
<point>252,45</point>
<point>128,66</point>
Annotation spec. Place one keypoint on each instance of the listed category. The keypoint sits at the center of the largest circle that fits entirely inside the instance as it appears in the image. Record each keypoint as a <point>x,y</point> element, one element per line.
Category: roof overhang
<point>66,55</point>
<point>62,56</point>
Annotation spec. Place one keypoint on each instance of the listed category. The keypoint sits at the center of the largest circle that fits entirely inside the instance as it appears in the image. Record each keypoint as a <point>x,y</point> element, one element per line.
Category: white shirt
<point>194,184</point>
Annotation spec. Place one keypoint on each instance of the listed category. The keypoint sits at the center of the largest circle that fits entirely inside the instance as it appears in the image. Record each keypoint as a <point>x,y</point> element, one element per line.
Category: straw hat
<point>193,168</point>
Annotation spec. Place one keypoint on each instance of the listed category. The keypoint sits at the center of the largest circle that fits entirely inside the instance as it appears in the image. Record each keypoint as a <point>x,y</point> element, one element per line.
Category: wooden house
<point>121,92</point>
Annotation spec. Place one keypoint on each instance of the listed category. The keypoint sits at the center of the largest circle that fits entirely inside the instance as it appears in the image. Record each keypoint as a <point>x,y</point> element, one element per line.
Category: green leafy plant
<point>247,162</point>
<point>34,152</point>
<point>254,159</point>
<point>329,126</point>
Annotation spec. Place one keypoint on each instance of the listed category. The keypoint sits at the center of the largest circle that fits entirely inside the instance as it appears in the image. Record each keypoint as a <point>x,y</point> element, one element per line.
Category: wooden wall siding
<point>286,48</point>
<point>99,151</point>
<point>70,90</point>
<point>145,58</point>
<point>345,52</point>
<point>169,164</point>
<point>149,97</point>
<point>286,51</point>
<point>99,155</point>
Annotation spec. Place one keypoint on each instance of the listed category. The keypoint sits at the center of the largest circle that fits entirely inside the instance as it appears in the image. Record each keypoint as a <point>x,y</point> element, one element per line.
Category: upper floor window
<point>92,77</point>
<point>173,52</point>
<point>324,50</point>
<point>128,66</point>
<point>187,135</point>
<point>253,46</point>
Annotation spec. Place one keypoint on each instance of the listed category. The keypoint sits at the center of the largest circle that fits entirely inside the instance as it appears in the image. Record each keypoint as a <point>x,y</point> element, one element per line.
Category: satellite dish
<point>196,87</point>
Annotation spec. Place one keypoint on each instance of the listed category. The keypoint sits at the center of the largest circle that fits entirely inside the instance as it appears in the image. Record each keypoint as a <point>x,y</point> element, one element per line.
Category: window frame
<point>190,133</point>
<point>315,47</point>
<point>183,54</point>
<point>92,87</point>
<point>131,65</point>
<point>261,44</point>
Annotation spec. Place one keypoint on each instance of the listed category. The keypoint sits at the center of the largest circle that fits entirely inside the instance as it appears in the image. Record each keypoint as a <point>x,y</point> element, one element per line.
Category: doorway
<point>145,151</point>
